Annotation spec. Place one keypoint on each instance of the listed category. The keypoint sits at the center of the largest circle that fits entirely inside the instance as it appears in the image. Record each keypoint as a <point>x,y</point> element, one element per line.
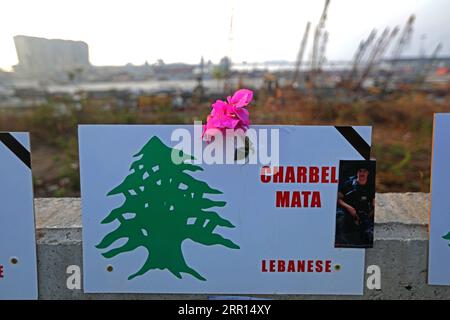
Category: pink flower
<point>230,114</point>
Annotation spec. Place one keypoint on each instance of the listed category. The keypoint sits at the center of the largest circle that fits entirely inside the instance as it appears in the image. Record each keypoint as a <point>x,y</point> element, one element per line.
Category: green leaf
<point>447,236</point>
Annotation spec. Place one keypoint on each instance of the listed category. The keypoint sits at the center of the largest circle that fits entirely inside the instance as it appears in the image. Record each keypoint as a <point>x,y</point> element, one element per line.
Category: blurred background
<point>350,62</point>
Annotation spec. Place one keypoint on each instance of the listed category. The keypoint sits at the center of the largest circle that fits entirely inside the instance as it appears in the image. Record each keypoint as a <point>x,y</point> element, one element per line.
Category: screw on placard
<point>337,267</point>
<point>109,268</point>
<point>14,260</point>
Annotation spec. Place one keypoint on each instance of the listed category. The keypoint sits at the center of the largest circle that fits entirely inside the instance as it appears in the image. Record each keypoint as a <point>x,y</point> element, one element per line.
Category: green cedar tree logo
<point>447,237</point>
<point>161,199</point>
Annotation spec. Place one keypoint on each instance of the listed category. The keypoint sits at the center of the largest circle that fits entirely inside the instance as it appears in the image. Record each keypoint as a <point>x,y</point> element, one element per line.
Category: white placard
<point>439,247</point>
<point>147,225</point>
<point>18,267</point>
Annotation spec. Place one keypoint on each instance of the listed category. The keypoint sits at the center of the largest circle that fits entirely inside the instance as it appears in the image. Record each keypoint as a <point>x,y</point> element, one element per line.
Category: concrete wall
<point>400,250</point>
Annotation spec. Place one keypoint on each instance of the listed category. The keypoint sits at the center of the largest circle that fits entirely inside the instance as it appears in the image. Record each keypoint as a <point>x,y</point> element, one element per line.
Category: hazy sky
<point>122,31</point>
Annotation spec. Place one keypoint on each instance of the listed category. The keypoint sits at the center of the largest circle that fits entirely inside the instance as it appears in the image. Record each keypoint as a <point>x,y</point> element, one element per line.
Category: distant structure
<point>51,59</point>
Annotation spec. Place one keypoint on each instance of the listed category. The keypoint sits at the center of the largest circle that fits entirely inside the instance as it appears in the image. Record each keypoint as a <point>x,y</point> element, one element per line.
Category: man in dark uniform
<point>356,202</point>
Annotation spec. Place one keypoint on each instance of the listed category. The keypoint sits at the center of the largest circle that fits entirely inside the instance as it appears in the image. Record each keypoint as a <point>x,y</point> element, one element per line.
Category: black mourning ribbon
<point>16,147</point>
<point>357,142</point>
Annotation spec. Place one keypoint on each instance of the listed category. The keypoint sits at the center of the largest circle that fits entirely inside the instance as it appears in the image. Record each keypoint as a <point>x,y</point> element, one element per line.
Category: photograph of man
<point>355,204</point>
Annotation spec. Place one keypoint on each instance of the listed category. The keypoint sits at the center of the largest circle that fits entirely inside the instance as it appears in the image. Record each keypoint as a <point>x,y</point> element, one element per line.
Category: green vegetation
<point>401,136</point>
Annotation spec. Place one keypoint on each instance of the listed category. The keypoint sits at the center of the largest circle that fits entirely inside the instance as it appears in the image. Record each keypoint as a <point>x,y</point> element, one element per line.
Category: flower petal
<point>243,115</point>
<point>241,98</point>
<point>219,107</point>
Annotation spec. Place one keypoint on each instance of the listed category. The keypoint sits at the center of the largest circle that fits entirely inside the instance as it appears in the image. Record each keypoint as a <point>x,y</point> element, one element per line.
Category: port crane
<point>301,52</point>
<point>359,55</point>
<point>320,36</point>
<point>377,53</point>
<point>403,41</point>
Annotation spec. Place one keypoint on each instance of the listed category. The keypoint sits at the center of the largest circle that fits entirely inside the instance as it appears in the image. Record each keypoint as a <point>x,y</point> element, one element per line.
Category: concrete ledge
<point>400,250</point>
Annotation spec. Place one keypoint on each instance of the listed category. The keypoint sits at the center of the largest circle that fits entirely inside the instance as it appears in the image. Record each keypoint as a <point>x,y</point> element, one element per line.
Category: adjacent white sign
<point>18,270</point>
<point>439,250</point>
<point>150,225</point>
